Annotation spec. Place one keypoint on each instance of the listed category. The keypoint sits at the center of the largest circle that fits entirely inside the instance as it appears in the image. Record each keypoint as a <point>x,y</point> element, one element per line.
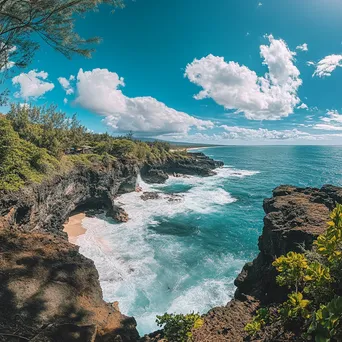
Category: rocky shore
<point>48,290</point>
<point>294,218</point>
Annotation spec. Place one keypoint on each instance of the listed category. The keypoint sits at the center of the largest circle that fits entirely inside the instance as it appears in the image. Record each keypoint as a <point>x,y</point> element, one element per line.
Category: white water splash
<point>146,271</point>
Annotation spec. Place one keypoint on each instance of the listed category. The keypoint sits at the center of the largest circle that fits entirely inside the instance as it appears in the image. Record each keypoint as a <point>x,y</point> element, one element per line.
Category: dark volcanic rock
<point>294,218</point>
<point>174,198</point>
<point>149,196</point>
<point>45,207</point>
<point>48,291</point>
<point>154,176</point>
<point>118,214</point>
<point>192,164</point>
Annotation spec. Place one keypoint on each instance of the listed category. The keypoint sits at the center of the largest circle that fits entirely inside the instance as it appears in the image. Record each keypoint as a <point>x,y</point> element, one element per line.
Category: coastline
<point>73,227</point>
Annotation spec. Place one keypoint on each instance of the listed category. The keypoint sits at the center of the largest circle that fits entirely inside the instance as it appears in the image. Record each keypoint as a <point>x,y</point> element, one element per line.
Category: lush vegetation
<point>37,142</point>
<point>313,310</point>
<point>178,328</point>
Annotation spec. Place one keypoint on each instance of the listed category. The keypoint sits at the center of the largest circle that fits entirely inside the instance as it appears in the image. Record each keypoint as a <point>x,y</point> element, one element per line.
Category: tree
<point>25,23</point>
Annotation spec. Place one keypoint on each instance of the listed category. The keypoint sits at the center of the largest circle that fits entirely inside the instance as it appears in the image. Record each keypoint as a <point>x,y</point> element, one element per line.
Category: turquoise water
<point>184,256</point>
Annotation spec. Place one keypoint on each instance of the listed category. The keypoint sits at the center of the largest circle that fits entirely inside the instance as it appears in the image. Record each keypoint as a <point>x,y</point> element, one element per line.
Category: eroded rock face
<point>148,195</point>
<point>48,289</point>
<point>294,218</point>
<point>45,207</point>
<point>194,164</point>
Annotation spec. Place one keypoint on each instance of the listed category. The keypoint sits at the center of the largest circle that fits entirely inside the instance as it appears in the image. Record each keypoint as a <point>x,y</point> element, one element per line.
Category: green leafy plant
<point>296,306</point>
<point>178,327</point>
<point>315,306</point>
<point>327,321</point>
<point>261,318</point>
<point>291,269</point>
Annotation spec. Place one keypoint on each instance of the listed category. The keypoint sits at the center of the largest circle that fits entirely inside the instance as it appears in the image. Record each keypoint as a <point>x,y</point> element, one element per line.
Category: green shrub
<point>327,321</point>
<point>315,276</point>
<point>178,327</point>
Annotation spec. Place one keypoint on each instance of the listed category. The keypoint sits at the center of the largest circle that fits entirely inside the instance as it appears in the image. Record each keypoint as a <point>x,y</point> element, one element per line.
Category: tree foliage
<point>47,127</point>
<point>20,161</point>
<point>36,142</point>
<point>24,24</point>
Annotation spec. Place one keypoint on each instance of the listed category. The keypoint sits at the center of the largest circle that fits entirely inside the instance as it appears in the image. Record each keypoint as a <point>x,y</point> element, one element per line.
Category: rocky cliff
<point>294,218</point>
<point>48,291</point>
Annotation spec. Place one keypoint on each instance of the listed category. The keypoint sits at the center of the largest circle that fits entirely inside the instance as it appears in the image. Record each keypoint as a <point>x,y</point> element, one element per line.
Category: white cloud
<point>242,136</point>
<point>270,97</point>
<point>303,47</point>
<point>66,85</point>
<point>65,101</point>
<point>32,84</point>
<point>236,132</point>
<point>303,106</point>
<point>259,4</point>
<point>99,91</point>
<point>327,65</point>
<point>332,122</point>
<point>310,63</point>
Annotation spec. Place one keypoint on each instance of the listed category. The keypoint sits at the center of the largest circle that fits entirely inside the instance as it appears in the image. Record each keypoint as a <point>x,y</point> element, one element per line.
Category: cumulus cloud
<point>236,132</point>
<point>331,122</point>
<point>327,65</point>
<point>32,85</point>
<point>66,84</point>
<point>236,87</point>
<point>100,91</point>
<point>303,106</point>
<point>303,47</point>
<point>65,101</point>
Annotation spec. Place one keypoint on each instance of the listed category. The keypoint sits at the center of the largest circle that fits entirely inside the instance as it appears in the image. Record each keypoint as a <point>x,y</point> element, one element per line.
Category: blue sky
<point>245,60</point>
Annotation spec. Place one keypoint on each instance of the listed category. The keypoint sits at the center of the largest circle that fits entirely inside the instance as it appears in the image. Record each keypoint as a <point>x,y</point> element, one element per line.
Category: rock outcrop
<point>48,290</point>
<point>192,164</point>
<point>294,218</point>
<point>45,207</point>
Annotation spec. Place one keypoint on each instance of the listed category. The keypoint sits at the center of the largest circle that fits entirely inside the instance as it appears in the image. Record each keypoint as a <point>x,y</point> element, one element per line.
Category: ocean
<point>183,256</point>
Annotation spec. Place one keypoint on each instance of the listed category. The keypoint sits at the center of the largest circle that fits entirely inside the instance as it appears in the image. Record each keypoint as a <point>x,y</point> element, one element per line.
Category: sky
<point>206,71</point>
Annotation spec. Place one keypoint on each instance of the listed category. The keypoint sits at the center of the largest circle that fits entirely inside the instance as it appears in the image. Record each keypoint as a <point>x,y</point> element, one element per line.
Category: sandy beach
<point>74,227</point>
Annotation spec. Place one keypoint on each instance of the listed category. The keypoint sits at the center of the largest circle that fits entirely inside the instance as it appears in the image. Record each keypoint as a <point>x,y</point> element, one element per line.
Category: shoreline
<point>73,227</point>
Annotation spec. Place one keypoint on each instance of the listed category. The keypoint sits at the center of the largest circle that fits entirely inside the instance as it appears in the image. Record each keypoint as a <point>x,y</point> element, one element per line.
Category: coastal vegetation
<point>39,142</point>
<point>178,327</point>
<point>313,278</point>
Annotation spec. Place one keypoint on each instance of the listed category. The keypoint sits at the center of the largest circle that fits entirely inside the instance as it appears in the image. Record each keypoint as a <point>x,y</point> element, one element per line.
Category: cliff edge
<point>294,218</point>
<point>48,290</point>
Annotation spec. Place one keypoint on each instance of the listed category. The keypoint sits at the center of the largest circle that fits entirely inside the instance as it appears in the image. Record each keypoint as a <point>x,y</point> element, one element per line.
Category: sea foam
<point>150,273</point>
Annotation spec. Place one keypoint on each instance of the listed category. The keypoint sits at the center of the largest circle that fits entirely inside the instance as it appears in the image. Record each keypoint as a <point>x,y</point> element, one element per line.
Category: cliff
<point>294,218</point>
<point>48,291</point>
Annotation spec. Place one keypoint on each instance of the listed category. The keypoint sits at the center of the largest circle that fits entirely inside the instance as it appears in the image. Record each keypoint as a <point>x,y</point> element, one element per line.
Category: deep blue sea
<point>184,256</point>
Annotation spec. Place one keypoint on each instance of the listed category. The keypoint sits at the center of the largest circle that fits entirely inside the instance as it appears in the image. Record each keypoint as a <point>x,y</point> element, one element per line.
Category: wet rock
<point>118,214</point>
<point>150,196</point>
<point>197,164</point>
<point>175,198</point>
<point>154,176</point>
